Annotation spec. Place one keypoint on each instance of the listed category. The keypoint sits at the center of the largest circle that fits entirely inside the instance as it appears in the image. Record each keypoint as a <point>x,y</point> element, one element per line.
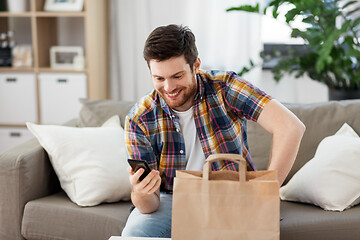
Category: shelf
<point>8,14</point>
<point>60,14</point>
<point>12,125</point>
<point>38,70</point>
<point>43,14</point>
<point>61,70</point>
<point>17,69</point>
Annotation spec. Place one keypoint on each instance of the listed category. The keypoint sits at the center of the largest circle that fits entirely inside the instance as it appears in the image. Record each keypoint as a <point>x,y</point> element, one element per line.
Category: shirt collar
<point>201,87</point>
<point>164,106</point>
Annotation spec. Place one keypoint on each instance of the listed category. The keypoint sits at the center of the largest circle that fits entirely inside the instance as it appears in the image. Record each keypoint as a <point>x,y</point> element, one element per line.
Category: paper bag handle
<point>236,158</point>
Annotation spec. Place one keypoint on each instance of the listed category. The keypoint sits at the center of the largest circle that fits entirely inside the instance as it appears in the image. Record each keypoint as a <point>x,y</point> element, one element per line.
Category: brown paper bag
<point>225,204</point>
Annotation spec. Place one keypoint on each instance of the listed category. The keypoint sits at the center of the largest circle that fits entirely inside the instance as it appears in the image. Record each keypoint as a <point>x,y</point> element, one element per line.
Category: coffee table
<point>136,238</point>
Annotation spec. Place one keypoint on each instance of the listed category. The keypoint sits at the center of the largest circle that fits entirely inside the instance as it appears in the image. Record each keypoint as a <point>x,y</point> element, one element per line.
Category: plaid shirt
<point>222,105</point>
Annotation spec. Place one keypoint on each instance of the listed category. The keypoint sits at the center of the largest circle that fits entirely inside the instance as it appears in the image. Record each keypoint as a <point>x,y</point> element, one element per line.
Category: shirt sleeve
<point>244,98</point>
<point>137,143</point>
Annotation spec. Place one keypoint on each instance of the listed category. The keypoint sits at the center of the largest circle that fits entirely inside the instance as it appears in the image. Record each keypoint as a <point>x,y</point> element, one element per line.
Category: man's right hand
<point>145,194</point>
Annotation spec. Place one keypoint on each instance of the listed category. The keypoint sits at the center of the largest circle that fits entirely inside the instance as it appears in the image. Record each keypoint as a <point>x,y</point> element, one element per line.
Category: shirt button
<point>182,151</point>
<point>178,130</point>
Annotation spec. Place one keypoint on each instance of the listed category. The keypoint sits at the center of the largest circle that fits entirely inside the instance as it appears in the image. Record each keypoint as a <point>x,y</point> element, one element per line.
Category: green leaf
<point>309,20</point>
<point>356,22</point>
<point>245,8</point>
<point>291,14</point>
<point>247,69</point>
<point>324,52</point>
<point>348,41</point>
<point>345,26</point>
<point>353,11</point>
<point>243,71</point>
<point>353,53</point>
<point>296,33</point>
<point>349,4</point>
<point>275,13</point>
<point>325,49</point>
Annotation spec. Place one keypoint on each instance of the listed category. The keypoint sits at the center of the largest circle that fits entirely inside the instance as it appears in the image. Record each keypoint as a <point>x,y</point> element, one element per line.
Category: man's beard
<point>186,95</point>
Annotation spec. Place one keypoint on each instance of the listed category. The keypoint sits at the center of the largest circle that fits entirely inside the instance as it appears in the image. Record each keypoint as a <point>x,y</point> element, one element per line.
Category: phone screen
<point>137,164</point>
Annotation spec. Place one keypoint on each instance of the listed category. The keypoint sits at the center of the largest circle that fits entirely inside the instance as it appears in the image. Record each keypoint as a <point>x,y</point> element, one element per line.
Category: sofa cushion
<point>321,120</point>
<point>304,221</point>
<point>95,112</point>
<point>54,216</point>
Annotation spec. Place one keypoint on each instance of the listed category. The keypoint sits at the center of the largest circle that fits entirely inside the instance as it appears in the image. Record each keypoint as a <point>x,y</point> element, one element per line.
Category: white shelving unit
<point>39,93</point>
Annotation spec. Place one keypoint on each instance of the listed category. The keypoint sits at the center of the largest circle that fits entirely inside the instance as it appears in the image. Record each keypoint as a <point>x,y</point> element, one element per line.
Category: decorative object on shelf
<point>331,37</point>
<point>79,62</point>
<point>7,43</point>
<point>64,57</point>
<point>64,5</point>
<point>16,6</point>
<point>22,56</point>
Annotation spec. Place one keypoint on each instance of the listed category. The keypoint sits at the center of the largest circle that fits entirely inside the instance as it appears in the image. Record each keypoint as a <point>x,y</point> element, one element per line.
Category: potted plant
<point>332,42</point>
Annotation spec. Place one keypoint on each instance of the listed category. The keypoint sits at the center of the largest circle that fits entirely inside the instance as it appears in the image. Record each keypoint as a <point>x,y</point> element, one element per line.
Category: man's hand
<point>145,194</point>
<point>148,185</point>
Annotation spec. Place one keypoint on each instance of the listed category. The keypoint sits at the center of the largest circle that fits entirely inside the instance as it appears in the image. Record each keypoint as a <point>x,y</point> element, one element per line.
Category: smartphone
<point>137,164</point>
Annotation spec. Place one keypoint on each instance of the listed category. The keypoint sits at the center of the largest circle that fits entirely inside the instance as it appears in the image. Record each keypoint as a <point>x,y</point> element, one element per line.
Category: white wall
<point>292,90</point>
<point>226,41</point>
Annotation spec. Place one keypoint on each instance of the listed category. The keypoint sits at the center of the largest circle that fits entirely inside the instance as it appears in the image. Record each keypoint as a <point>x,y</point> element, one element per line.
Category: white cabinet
<point>13,136</point>
<point>17,98</point>
<point>59,96</point>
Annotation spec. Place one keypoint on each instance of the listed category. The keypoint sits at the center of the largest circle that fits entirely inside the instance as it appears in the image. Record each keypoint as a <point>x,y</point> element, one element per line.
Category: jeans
<point>156,224</point>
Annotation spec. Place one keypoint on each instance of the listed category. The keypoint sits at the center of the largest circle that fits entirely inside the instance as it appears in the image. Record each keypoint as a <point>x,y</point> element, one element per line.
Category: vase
<point>343,94</point>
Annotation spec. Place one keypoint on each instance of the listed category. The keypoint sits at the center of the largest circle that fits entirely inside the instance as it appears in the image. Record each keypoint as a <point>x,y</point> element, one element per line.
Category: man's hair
<point>170,41</point>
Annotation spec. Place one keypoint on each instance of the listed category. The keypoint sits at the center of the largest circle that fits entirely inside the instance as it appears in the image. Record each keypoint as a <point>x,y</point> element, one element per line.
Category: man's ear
<point>197,65</point>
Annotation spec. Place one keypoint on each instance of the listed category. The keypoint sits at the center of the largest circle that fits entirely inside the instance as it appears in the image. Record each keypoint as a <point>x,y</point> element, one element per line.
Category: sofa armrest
<point>25,174</point>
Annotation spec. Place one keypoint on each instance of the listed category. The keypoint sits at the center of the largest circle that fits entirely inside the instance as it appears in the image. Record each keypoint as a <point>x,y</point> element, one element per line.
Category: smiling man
<point>190,115</point>
<point>178,88</point>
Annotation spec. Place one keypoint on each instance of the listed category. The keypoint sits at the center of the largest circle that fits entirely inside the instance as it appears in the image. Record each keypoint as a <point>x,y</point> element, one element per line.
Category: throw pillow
<point>89,162</point>
<point>331,179</point>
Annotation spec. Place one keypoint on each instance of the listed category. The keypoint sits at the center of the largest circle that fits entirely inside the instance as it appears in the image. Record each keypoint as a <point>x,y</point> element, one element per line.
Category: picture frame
<point>66,57</point>
<point>64,5</point>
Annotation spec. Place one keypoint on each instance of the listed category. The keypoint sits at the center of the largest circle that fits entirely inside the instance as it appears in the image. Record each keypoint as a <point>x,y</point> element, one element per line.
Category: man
<point>190,115</point>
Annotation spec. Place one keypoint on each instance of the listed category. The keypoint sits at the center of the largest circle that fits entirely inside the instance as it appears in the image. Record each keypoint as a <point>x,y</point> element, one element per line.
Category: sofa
<point>33,206</point>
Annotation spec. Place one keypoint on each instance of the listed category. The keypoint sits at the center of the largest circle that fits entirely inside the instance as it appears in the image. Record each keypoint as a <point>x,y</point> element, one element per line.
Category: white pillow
<point>331,179</point>
<point>89,162</point>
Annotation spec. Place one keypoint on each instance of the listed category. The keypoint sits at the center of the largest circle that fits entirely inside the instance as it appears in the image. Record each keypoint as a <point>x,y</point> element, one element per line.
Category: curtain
<point>225,40</point>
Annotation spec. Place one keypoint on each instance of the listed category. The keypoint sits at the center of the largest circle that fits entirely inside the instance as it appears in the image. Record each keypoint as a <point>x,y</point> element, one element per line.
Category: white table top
<point>136,238</point>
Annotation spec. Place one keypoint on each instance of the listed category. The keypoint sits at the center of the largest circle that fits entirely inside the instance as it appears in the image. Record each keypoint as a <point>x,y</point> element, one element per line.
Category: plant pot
<point>342,94</point>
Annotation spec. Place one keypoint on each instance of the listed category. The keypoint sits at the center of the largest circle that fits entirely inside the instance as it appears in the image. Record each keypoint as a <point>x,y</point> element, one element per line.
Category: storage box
<point>13,136</point>
<point>17,98</point>
<point>59,96</point>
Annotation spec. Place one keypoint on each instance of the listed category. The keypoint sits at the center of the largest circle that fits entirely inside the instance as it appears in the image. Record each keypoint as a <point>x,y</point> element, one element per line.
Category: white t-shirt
<point>195,156</point>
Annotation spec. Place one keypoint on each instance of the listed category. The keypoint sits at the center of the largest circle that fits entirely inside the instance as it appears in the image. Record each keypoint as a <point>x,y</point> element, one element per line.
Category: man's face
<point>175,82</point>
